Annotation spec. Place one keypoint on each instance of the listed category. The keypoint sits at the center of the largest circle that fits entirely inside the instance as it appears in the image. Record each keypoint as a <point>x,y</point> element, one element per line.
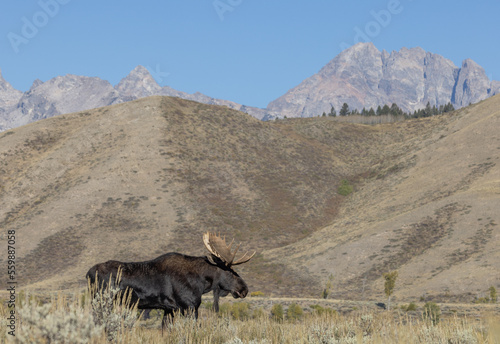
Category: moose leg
<point>216,299</point>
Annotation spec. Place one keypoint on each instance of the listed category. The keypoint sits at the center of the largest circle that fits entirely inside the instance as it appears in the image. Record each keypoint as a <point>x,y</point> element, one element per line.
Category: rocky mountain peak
<point>362,76</point>
<point>361,56</point>
<point>71,93</point>
<point>62,94</point>
<point>9,96</point>
<point>35,84</point>
<point>139,83</point>
<point>472,84</point>
<point>6,88</point>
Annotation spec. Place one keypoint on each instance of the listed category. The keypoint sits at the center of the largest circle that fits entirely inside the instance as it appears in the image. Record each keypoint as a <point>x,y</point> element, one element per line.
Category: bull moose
<point>176,282</point>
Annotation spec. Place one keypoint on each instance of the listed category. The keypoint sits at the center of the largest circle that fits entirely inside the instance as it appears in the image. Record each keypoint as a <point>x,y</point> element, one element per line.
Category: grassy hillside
<point>135,180</point>
<point>428,208</point>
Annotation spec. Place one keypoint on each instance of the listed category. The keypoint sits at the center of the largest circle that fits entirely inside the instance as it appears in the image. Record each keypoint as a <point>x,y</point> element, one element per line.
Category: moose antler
<point>217,246</point>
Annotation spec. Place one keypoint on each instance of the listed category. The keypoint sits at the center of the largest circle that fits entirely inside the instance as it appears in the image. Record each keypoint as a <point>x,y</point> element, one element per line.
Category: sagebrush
<point>253,324</point>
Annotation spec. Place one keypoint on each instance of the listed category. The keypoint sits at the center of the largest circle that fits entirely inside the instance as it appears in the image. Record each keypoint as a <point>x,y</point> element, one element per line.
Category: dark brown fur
<point>172,282</point>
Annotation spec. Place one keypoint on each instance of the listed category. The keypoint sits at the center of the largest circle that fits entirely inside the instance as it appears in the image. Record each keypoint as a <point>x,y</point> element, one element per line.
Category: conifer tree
<point>395,110</point>
<point>428,110</point>
<point>385,110</point>
<point>344,111</point>
<point>448,107</point>
<point>333,112</point>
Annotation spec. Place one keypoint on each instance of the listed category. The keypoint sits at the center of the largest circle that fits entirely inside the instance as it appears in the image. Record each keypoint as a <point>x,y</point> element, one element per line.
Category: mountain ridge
<point>361,76</point>
<point>71,93</point>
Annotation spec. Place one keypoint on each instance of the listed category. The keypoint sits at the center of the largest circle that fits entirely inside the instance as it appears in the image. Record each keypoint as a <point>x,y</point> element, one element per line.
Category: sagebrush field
<point>76,319</point>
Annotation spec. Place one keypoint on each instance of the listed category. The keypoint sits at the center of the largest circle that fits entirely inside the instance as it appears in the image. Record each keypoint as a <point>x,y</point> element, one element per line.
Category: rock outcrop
<point>62,94</point>
<point>363,76</point>
<point>9,97</point>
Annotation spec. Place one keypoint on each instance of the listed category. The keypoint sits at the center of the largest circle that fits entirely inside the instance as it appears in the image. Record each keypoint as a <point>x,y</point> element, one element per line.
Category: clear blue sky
<point>248,51</point>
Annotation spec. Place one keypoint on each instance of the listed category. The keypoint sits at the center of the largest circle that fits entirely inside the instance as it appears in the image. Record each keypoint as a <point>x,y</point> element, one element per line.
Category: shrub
<point>225,309</point>
<point>410,307</point>
<point>481,300</point>
<point>258,313</point>
<point>321,334</point>
<point>44,324</point>
<point>432,312</point>
<point>235,340</point>
<point>24,298</point>
<point>366,324</point>
<point>277,312</point>
<point>156,314</point>
<point>390,283</point>
<point>317,309</point>
<point>240,311</point>
<point>294,312</point>
<point>257,294</point>
<point>207,305</point>
<point>328,288</point>
<point>237,311</point>
<point>493,294</point>
<point>465,336</point>
<point>345,188</point>
<point>112,309</point>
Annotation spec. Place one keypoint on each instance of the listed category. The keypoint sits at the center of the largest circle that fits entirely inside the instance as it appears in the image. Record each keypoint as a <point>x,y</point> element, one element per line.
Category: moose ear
<point>212,259</point>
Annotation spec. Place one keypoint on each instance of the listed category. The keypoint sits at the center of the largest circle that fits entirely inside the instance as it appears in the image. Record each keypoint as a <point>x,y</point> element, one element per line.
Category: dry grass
<point>423,203</point>
<point>358,326</point>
